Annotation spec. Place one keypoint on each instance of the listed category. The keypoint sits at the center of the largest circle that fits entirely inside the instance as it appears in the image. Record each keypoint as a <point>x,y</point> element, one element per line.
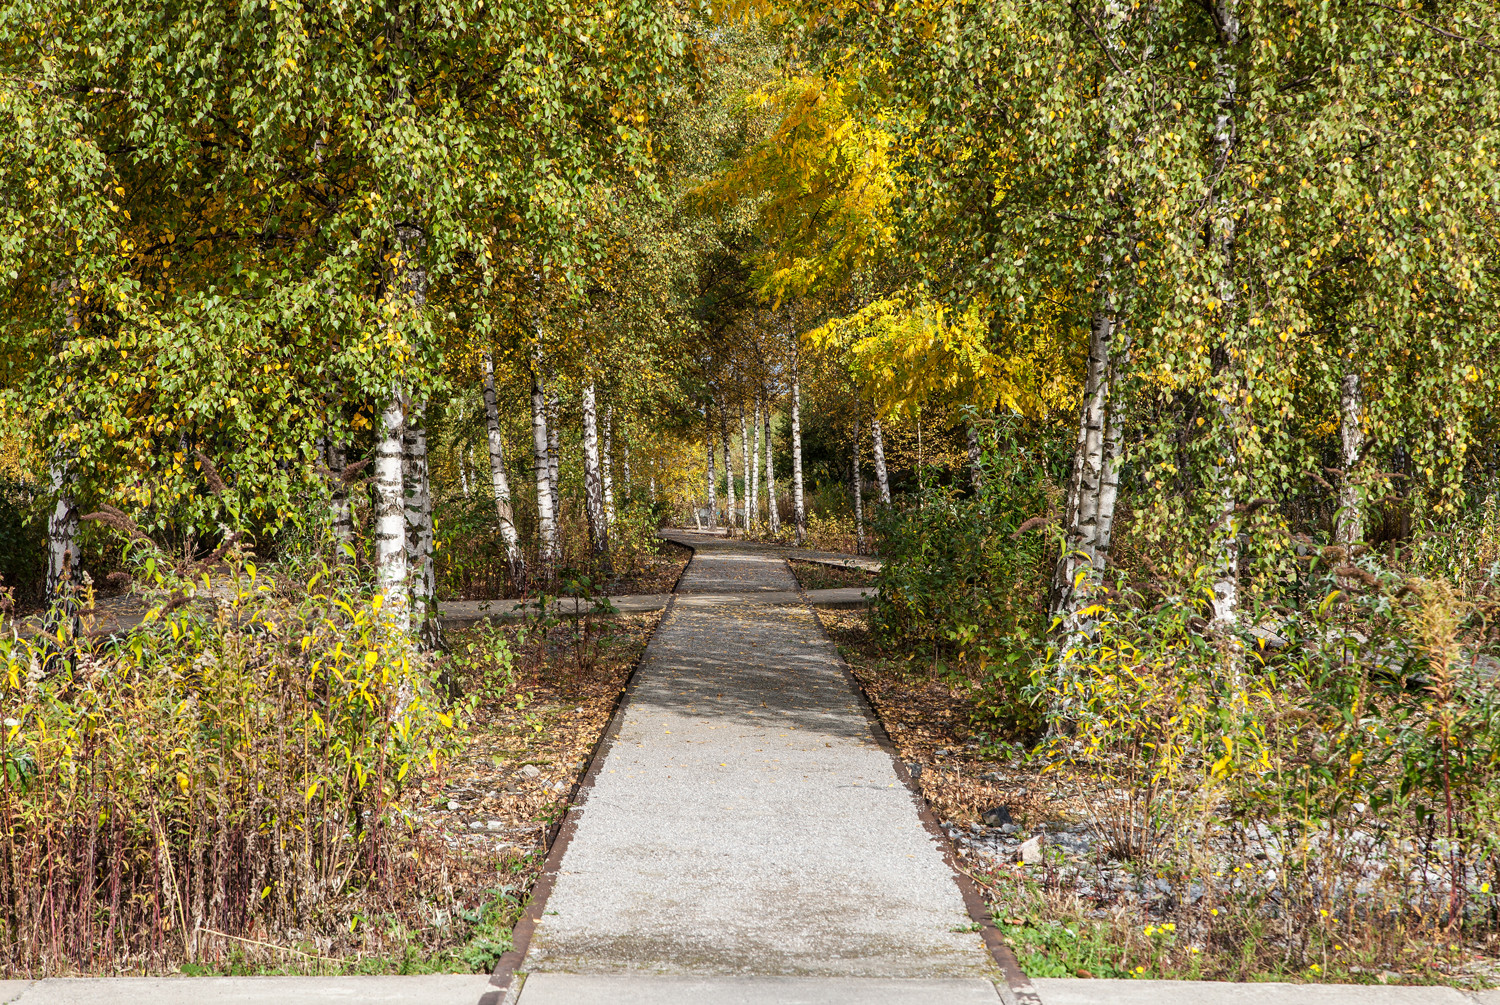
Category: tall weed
<point>230,770</point>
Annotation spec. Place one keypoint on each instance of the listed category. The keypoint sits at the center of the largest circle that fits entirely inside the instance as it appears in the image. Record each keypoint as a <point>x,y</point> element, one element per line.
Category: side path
<point>746,836</point>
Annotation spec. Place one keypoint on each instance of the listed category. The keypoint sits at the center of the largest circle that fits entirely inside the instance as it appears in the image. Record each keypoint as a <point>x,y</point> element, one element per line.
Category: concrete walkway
<point>433,989</point>
<point>746,837</point>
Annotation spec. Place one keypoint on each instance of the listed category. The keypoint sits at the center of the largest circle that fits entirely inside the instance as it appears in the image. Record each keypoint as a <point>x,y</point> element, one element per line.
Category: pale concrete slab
<point>586,989</point>
<point>424,989</point>
<point>746,821</point>
<point>1057,991</point>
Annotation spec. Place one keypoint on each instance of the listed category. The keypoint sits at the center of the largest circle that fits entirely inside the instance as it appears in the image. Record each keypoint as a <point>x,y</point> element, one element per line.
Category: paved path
<point>713,543</point>
<point>746,832</point>
<point>435,989</point>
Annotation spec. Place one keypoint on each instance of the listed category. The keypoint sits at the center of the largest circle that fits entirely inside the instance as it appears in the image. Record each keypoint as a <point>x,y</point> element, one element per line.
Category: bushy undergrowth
<point>1316,791</point>
<point>964,577</point>
<point>1329,779</point>
<point>231,770</point>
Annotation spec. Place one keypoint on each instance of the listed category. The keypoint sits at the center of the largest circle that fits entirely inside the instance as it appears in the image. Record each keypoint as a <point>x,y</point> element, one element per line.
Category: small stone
<point>453,804</point>
<point>476,825</point>
<point>914,768</point>
<point>1031,851</point>
<point>997,817</point>
<point>530,771</point>
<point>495,825</point>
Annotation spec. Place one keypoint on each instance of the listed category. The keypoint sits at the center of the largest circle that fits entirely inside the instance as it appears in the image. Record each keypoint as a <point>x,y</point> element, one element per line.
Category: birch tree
<point>593,481</point>
<point>500,482</point>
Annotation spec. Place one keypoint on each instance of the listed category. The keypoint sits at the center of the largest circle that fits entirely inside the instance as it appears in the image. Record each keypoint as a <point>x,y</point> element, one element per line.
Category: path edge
<point>502,979</point>
<point>1022,991</point>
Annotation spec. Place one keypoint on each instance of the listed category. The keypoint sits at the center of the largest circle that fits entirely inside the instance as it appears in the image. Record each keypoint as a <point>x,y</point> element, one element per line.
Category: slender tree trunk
<point>542,470</point>
<point>755,467</point>
<point>500,483</point>
<point>713,481</point>
<point>799,511</point>
<point>593,482</point>
<point>1350,526</point>
<point>729,493</point>
<point>1082,556</point>
<point>1225,475</point>
<point>976,473</point>
<point>62,527</point>
<point>859,495</point>
<point>463,474</point>
<point>772,512</point>
<point>748,464</point>
<point>608,463</point>
<point>419,535</point>
<point>877,442</point>
<point>554,453</point>
<point>341,519</point>
<point>625,467</point>
<point>390,515</point>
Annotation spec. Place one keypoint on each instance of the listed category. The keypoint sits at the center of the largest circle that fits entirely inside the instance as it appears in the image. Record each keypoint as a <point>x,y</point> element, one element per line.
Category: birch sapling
<point>1225,533</point>
<point>1349,528</point>
<point>607,462</point>
<point>500,483</point>
<point>729,493</point>
<point>859,494</point>
<point>542,471</point>
<point>593,482</point>
<point>748,464</point>
<point>419,532</point>
<point>799,511</point>
<point>882,479</point>
<point>755,467</point>
<point>773,517</point>
<point>713,482</point>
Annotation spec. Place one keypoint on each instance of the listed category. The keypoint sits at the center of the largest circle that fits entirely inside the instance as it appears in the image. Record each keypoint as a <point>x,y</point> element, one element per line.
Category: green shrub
<point>965,576</point>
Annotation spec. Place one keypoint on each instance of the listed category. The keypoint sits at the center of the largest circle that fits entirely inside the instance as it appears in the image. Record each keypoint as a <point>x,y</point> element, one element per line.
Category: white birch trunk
<point>1081,557</point>
<point>390,516</point>
<point>554,454</point>
<point>62,526</point>
<point>500,482</point>
<point>713,481</point>
<point>542,469</point>
<point>755,467</point>
<point>607,460</point>
<point>1225,533</point>
<point>748,464</point>
<point>729,492</point>
<point>625,467</point>
<point>859,495</point>
<point>593,482</point>
<point>463,474</point>
<point>799,511</point>
<point>419,536</point>
<point>772,513</point>
<point>882,479</point>
<point>1350,524</point>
